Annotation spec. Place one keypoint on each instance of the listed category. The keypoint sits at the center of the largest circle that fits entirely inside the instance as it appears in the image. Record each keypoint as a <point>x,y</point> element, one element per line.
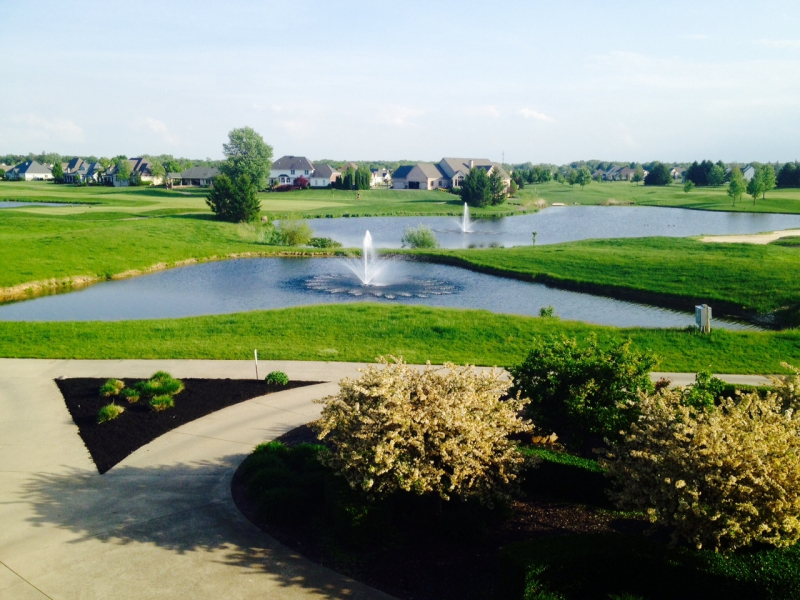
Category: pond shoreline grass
<point>361,332</point>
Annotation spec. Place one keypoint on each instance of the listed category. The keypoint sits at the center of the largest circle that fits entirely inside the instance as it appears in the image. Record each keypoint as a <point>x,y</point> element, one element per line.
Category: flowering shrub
<point>440,430</point>
<point>723,477</point>
<point>788,388</point>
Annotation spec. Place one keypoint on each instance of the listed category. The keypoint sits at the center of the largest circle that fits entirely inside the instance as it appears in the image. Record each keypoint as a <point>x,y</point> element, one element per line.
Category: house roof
<point>450,166</point>
<point>138,165</point>
<point>287,163</point>
<point>32,167</point>
<point>430,170</point>
<point>200,173</point>
<point>346,166</point>
<point>73,165</point>
<point>323,170</point>
<point>402,172</point>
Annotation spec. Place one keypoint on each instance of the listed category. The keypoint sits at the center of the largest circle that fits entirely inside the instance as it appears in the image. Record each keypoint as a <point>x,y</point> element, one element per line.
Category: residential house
<point>678,173</point>
<point>78,170</point>
<point>30,170</point>
<point>350,165</point>
<point>288,168</point>
<point>138,166</point>
<point>380,177</point>
<point>749,172</point>
<point>324,176</point>
<point>447,173</point>
<point>195,176</point>
<point>626,174</point>
<point>613,173</point>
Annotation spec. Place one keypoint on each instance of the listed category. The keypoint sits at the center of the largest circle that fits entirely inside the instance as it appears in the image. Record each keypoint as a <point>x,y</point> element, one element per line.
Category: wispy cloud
<point>59,130</point>
<point>780,43</point>
<point>528,113</point>
<point>159,128</point>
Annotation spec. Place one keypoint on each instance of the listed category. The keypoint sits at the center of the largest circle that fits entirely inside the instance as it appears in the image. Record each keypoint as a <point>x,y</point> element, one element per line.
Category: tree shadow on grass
<point>182,508</point>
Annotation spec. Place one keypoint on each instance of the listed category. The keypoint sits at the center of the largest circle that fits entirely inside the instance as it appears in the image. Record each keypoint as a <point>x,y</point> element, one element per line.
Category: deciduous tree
<point>583,177</point>
<point>766,174</point>
<point>58,173</point>
<point>737,185</point>
<point>247,154</point>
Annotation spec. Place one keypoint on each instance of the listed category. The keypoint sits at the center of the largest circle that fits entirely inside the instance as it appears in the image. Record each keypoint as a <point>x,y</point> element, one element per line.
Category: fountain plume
<point>369,266</point>
<point>466,224</point>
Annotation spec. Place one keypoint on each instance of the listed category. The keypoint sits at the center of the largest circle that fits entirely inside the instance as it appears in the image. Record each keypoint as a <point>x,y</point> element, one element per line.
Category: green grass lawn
<point>759,278</point>
<point>361,332</point>
<point>705,198</point>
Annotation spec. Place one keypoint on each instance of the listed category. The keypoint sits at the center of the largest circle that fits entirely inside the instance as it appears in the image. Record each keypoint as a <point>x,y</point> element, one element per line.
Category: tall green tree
<point>755,186</point>
<point>583,177</point>
<point>737,185</point>
<point>363,178</point>
<point>688,186</point>
<point>348,180</point>
<point>716,175</point>
<point>58,173</point>
<point>247,154</point>
<point>658,175</point>
<point>572,177</point>
<point>638,175</point>
<point>123,169</point>
<point>234,200</point>
<point>498,187</point>
<point>476,190</point>
<point>158,171</point>
<point>767,176</point>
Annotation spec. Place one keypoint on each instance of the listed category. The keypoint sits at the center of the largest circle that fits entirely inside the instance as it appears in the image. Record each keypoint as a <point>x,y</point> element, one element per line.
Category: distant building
<point>678,173</point>
<point>138,166</point>
<point>30,170</point>
<point>196,176</point>
<point>749,172</point>
<point>380,177</point>
<point>324,175</point>
<point>287,169</point>
<point>447,173</point>
<point>78,170</point>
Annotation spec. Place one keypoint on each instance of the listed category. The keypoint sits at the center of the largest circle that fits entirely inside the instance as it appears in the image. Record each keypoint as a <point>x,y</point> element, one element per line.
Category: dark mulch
<point>442,568</point>
<point>111,442</point>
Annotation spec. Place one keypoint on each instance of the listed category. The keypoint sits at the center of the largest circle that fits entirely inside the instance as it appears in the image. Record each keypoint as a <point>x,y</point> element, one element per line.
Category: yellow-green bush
<point>439,430</point>
<point>112,387</point>
<point>723,477</point>
<point>109,412</point>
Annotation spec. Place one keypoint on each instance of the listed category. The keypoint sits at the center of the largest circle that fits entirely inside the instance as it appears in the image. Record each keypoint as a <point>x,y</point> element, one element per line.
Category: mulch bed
<point>441,569</point>
<point>111,442</point>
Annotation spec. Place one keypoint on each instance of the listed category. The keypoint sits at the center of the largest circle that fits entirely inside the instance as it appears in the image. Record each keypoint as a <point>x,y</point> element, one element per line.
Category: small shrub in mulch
<point>110,442</point>
<point>277,378</point>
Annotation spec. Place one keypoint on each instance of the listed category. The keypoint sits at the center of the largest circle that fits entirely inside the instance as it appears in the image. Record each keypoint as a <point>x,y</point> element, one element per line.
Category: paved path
<point>161,524</point>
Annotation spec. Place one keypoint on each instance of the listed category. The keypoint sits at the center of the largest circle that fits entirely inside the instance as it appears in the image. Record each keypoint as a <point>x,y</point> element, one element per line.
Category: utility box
<point>702,316</point>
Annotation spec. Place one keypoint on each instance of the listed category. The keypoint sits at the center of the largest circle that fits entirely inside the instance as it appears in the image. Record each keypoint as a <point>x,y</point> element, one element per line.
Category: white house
<point>287,169</point>
<point>30,170</point>
<point>78,170</point>
<point>324,176</point>
<point>380,177</point>
<point>749,172</point>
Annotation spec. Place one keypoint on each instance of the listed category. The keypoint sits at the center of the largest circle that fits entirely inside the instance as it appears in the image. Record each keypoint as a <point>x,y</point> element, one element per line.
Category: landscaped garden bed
<point>110,442</point>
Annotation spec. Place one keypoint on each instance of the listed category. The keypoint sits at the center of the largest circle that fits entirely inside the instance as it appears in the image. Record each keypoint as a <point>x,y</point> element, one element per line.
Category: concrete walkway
<point>161,524</point>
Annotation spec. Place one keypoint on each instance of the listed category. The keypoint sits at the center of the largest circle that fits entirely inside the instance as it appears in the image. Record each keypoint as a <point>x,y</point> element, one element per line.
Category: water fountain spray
<point>369,266</point>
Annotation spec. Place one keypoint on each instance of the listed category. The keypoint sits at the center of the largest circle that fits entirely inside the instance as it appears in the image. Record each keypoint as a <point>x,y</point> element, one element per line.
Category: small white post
<point>255,352</point>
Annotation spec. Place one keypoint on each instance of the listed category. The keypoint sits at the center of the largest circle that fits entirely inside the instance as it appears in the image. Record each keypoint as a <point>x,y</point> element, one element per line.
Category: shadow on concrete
<point>181,508</point>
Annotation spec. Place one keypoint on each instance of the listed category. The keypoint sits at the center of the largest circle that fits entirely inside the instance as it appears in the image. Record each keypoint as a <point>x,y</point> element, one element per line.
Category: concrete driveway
<point>161,524</point>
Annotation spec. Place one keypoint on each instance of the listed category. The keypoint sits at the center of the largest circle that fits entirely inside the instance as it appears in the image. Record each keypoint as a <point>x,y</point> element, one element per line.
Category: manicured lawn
<point>34,248</point>
<point>705,198</point>
<point>364,331</point>
<point>760,278</point>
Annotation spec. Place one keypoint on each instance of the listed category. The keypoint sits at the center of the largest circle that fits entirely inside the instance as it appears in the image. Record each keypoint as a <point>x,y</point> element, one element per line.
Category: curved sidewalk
<point>161,524</point>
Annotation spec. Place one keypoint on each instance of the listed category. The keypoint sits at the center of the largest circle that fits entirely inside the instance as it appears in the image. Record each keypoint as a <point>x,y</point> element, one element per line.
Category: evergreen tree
<point>789,175</point>
<point>234,200</point>
<point>658,175</point>
<point>497,186</point>
<point>476,190</point>
<point>363,178</point>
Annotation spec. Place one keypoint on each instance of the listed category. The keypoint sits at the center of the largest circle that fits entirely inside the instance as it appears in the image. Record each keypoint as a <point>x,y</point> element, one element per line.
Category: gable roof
<point>200,173</point>
<point>73,165</point>
<point>429,170</point>
<point>287,163</point>
<point>33,167</point>
<point>450,166</point>
<point>323,170</point>
<point>402,172</point>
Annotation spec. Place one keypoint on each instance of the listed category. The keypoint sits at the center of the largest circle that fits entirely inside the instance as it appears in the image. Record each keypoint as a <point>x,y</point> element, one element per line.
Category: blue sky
<point>540,81</point>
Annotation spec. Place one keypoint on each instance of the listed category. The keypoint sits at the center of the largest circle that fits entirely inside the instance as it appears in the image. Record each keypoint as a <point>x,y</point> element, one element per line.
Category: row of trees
<point>234,196</point>
<point>482,189</point>
<point>762,181</point>
<point>354,179</point>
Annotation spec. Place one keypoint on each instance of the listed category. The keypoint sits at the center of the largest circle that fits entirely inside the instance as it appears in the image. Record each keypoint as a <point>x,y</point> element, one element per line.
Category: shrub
<point>162,402</point>
<point>705,392</point>
<point>277,378</point>
<point>112,387</point>
<point>547,312</point>
<point>318,242</point>
<point>109,412</point>
<point>440,431</point>
<point>583,391</point>
<point>723,477</point>
<point>294,232</point>
<point>161,383</point>
<point>131,394</point>
<point>420,236</point>
<point>788,388</point>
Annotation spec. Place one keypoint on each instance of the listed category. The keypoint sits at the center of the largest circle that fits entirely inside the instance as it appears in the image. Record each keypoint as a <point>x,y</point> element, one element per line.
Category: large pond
<point>556,224</point>
<point>14,204</point>
<point>268,283</point>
